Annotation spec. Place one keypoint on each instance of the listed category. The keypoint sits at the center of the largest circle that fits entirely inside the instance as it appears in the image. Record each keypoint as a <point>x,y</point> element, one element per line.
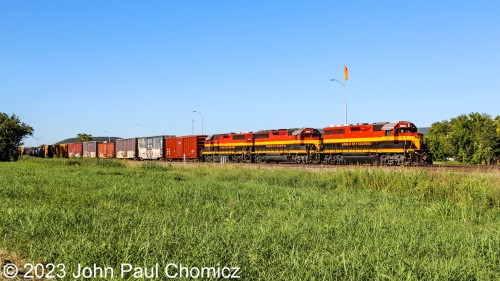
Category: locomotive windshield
<point>312,133</point>
<point>410,129</point>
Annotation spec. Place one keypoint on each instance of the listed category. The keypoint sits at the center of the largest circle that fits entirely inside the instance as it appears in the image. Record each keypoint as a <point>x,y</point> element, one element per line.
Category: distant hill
<point>98,139</point>
<point>424,130</point>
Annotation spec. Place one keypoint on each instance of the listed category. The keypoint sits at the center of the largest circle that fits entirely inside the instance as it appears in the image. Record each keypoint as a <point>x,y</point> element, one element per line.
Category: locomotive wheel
<point>339,160</point>
<point>298,160</point>
<point>259,159</point>
<point>326,159</point>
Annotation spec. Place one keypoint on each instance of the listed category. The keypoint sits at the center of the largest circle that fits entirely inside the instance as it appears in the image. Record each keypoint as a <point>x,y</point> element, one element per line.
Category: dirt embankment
<point>10,264</point>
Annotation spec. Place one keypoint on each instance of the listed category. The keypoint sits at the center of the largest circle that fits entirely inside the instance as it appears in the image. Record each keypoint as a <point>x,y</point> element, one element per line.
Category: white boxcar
<point>150,148</point>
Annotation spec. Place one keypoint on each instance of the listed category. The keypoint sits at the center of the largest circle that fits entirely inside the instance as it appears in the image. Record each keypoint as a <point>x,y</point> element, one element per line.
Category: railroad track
<point>439,167</point>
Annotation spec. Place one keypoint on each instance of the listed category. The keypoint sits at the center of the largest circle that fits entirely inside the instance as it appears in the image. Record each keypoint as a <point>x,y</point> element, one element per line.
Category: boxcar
<point>186,147</point>
<point>75,149</point>
<point>90,149</point>
<point>150,148</point>
<point>61,150</point>
<point>48,151</point>
<point>106,150</point>
<point>126,148</point>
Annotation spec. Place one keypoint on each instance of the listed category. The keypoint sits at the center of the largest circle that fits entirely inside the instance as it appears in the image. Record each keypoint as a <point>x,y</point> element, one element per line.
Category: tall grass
<point>274,224</point>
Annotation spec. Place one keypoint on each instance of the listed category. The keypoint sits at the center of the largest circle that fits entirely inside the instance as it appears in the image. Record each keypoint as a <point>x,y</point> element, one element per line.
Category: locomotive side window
<point>261,136</point>
<point>388,133</point>
<point>335,132</point>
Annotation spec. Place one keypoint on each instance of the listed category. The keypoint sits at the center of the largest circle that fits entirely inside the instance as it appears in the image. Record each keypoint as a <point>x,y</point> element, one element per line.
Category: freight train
<point>385,143</point>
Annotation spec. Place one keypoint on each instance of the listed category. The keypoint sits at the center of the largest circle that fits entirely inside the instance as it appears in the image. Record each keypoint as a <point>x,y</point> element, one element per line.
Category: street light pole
<point>192,126</point>
<point>194,111</point>
<point>345,97</point>
<point>142,128</point>
<point>39,138</point>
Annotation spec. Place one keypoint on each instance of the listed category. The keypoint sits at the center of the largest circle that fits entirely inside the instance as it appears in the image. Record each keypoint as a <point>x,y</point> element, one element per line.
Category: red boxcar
<point>187,147</point>
<point>75,149</point>
<point>106,150</point>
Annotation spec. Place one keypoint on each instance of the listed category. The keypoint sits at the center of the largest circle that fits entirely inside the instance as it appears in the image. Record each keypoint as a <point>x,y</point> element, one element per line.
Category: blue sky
<point>69,67</point>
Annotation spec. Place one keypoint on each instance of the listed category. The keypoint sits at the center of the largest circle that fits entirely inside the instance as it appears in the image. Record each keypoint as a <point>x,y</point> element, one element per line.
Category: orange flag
<point>346,73</point>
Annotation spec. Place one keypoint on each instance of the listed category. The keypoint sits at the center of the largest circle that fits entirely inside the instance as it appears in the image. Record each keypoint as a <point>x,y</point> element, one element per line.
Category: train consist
<point>385,143</point>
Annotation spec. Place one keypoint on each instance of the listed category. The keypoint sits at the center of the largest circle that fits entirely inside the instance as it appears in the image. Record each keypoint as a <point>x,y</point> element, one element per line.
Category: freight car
<point>61,150</point>
<point>106,150</point>
<point>126,148</point>
<point>184,148</point>
<point>151,148</point>
<point>90,149</point>
<point>75,149</point>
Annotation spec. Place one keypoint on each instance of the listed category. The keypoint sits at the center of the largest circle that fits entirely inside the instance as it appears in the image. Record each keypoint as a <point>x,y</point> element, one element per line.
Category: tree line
<point>469,139</point>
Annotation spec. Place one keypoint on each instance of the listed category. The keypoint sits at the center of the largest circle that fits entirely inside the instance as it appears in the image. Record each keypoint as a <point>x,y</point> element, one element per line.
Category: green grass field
<point>274,224</point>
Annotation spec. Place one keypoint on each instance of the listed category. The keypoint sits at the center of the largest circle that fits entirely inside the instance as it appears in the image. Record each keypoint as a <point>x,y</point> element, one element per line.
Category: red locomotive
<point>292,145</point>
<point>394,143</point>
<point>237,147</point>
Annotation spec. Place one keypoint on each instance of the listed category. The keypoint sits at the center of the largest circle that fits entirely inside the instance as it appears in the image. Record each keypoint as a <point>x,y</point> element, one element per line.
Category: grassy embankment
<point>274,224</point>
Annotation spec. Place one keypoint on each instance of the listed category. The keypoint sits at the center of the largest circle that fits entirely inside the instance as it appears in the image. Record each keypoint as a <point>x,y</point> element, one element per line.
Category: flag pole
<point>345,98</point>
<point>346,77</point>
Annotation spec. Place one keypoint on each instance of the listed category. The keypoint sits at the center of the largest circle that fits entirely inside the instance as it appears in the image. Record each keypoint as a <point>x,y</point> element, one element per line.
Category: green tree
<point>437,140</point>
<point>84,137</point>
<point>461,138</point>
<point>12,132</point>
<point>470,139</point>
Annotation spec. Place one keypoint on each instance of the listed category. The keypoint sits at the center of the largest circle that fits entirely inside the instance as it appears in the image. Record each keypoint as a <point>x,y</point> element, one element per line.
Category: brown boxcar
<point>187,147</point>
<point>90,149</point>
<point>75,149</point>
<point>126,148</point>
<point>106,150</point>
